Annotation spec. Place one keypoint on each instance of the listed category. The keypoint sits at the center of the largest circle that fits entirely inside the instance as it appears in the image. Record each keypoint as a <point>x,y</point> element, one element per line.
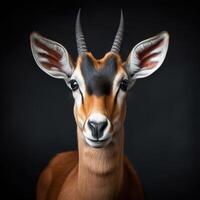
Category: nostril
<point>102,126</point>
<point>93,127</point>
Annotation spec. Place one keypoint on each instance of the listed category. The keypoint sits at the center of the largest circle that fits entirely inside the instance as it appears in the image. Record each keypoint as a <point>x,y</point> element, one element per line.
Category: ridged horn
<point>119,36</point>
<point>80,41</point>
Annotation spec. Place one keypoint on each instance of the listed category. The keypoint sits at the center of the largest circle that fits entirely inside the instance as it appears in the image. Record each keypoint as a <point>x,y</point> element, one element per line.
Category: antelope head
<point>99,86</point>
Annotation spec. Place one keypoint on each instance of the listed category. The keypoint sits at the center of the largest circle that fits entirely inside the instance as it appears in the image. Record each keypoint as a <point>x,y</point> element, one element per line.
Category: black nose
<point>97,128</point>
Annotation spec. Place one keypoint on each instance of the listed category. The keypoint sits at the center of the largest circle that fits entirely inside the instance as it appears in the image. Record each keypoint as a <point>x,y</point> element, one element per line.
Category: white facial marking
<point>98,144</point>
<point>80,122</point>
<point>81,90</point>
<point>116,84</point>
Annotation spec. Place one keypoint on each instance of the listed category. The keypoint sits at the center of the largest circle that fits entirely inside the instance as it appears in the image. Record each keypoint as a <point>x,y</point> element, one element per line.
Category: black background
<point>162,126</point>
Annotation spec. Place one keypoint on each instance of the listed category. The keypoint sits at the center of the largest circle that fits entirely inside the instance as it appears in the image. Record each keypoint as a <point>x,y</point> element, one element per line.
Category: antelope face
<point>99,86</point>
<point>99,89</point>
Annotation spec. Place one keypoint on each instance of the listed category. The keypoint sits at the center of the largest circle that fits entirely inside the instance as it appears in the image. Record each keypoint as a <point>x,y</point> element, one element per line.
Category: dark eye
<point>124,85</point>
<point>74,85</point>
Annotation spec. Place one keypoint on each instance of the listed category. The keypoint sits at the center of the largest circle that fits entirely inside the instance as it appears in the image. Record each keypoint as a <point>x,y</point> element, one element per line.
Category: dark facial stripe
<point>98,81</point>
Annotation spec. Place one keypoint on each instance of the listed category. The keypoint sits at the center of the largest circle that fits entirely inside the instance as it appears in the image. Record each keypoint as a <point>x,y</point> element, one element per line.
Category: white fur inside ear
<point>147,56</point>
<point>51,57</point>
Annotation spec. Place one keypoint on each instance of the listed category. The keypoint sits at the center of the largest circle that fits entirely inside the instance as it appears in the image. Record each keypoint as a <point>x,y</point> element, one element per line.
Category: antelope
<point>99,169</point>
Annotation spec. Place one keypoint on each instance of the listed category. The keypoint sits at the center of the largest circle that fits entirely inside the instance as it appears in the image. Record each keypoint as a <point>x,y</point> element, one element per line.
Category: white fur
<point>116,84</point>
<point>98,144</point>
<point>82,89</point>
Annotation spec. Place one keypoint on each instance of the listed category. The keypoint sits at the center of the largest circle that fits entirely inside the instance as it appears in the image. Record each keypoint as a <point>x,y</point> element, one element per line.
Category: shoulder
<point>62,163</point>
<point>59,165</point>
<point>64,158</point>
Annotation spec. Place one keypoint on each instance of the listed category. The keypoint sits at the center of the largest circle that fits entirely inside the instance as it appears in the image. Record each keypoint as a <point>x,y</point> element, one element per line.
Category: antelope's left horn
<point>119,36</point>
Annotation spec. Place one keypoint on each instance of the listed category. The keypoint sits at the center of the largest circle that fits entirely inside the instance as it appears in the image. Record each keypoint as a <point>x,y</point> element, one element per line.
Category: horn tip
<point>122,15</point>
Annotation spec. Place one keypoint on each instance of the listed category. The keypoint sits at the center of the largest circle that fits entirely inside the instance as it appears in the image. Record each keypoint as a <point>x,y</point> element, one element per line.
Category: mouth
<point>98,143</point>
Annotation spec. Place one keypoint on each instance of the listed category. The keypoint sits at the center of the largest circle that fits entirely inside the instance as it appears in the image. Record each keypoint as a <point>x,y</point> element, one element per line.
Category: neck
<point>100,171</point>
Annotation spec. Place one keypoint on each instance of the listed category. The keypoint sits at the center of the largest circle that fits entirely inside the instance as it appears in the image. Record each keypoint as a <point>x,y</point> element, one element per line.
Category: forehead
<point>98,75</point>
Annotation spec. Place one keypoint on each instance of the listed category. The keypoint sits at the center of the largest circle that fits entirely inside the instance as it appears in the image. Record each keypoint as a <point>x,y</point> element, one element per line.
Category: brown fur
<point>90,173</point>
<point>63,170</point>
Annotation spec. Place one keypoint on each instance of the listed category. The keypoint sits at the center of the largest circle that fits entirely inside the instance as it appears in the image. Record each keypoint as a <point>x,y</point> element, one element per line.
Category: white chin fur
<point>98,144</point>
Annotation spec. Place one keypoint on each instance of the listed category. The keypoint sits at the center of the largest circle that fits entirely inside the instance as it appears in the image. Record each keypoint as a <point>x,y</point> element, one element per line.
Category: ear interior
<point>147,56</point>
<point>147,53</point>
<point>51,56</point>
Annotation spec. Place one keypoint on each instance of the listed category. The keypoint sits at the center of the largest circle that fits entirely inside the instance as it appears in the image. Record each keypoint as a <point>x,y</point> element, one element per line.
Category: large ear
<point>147,56</point>
<point>51,57</point>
